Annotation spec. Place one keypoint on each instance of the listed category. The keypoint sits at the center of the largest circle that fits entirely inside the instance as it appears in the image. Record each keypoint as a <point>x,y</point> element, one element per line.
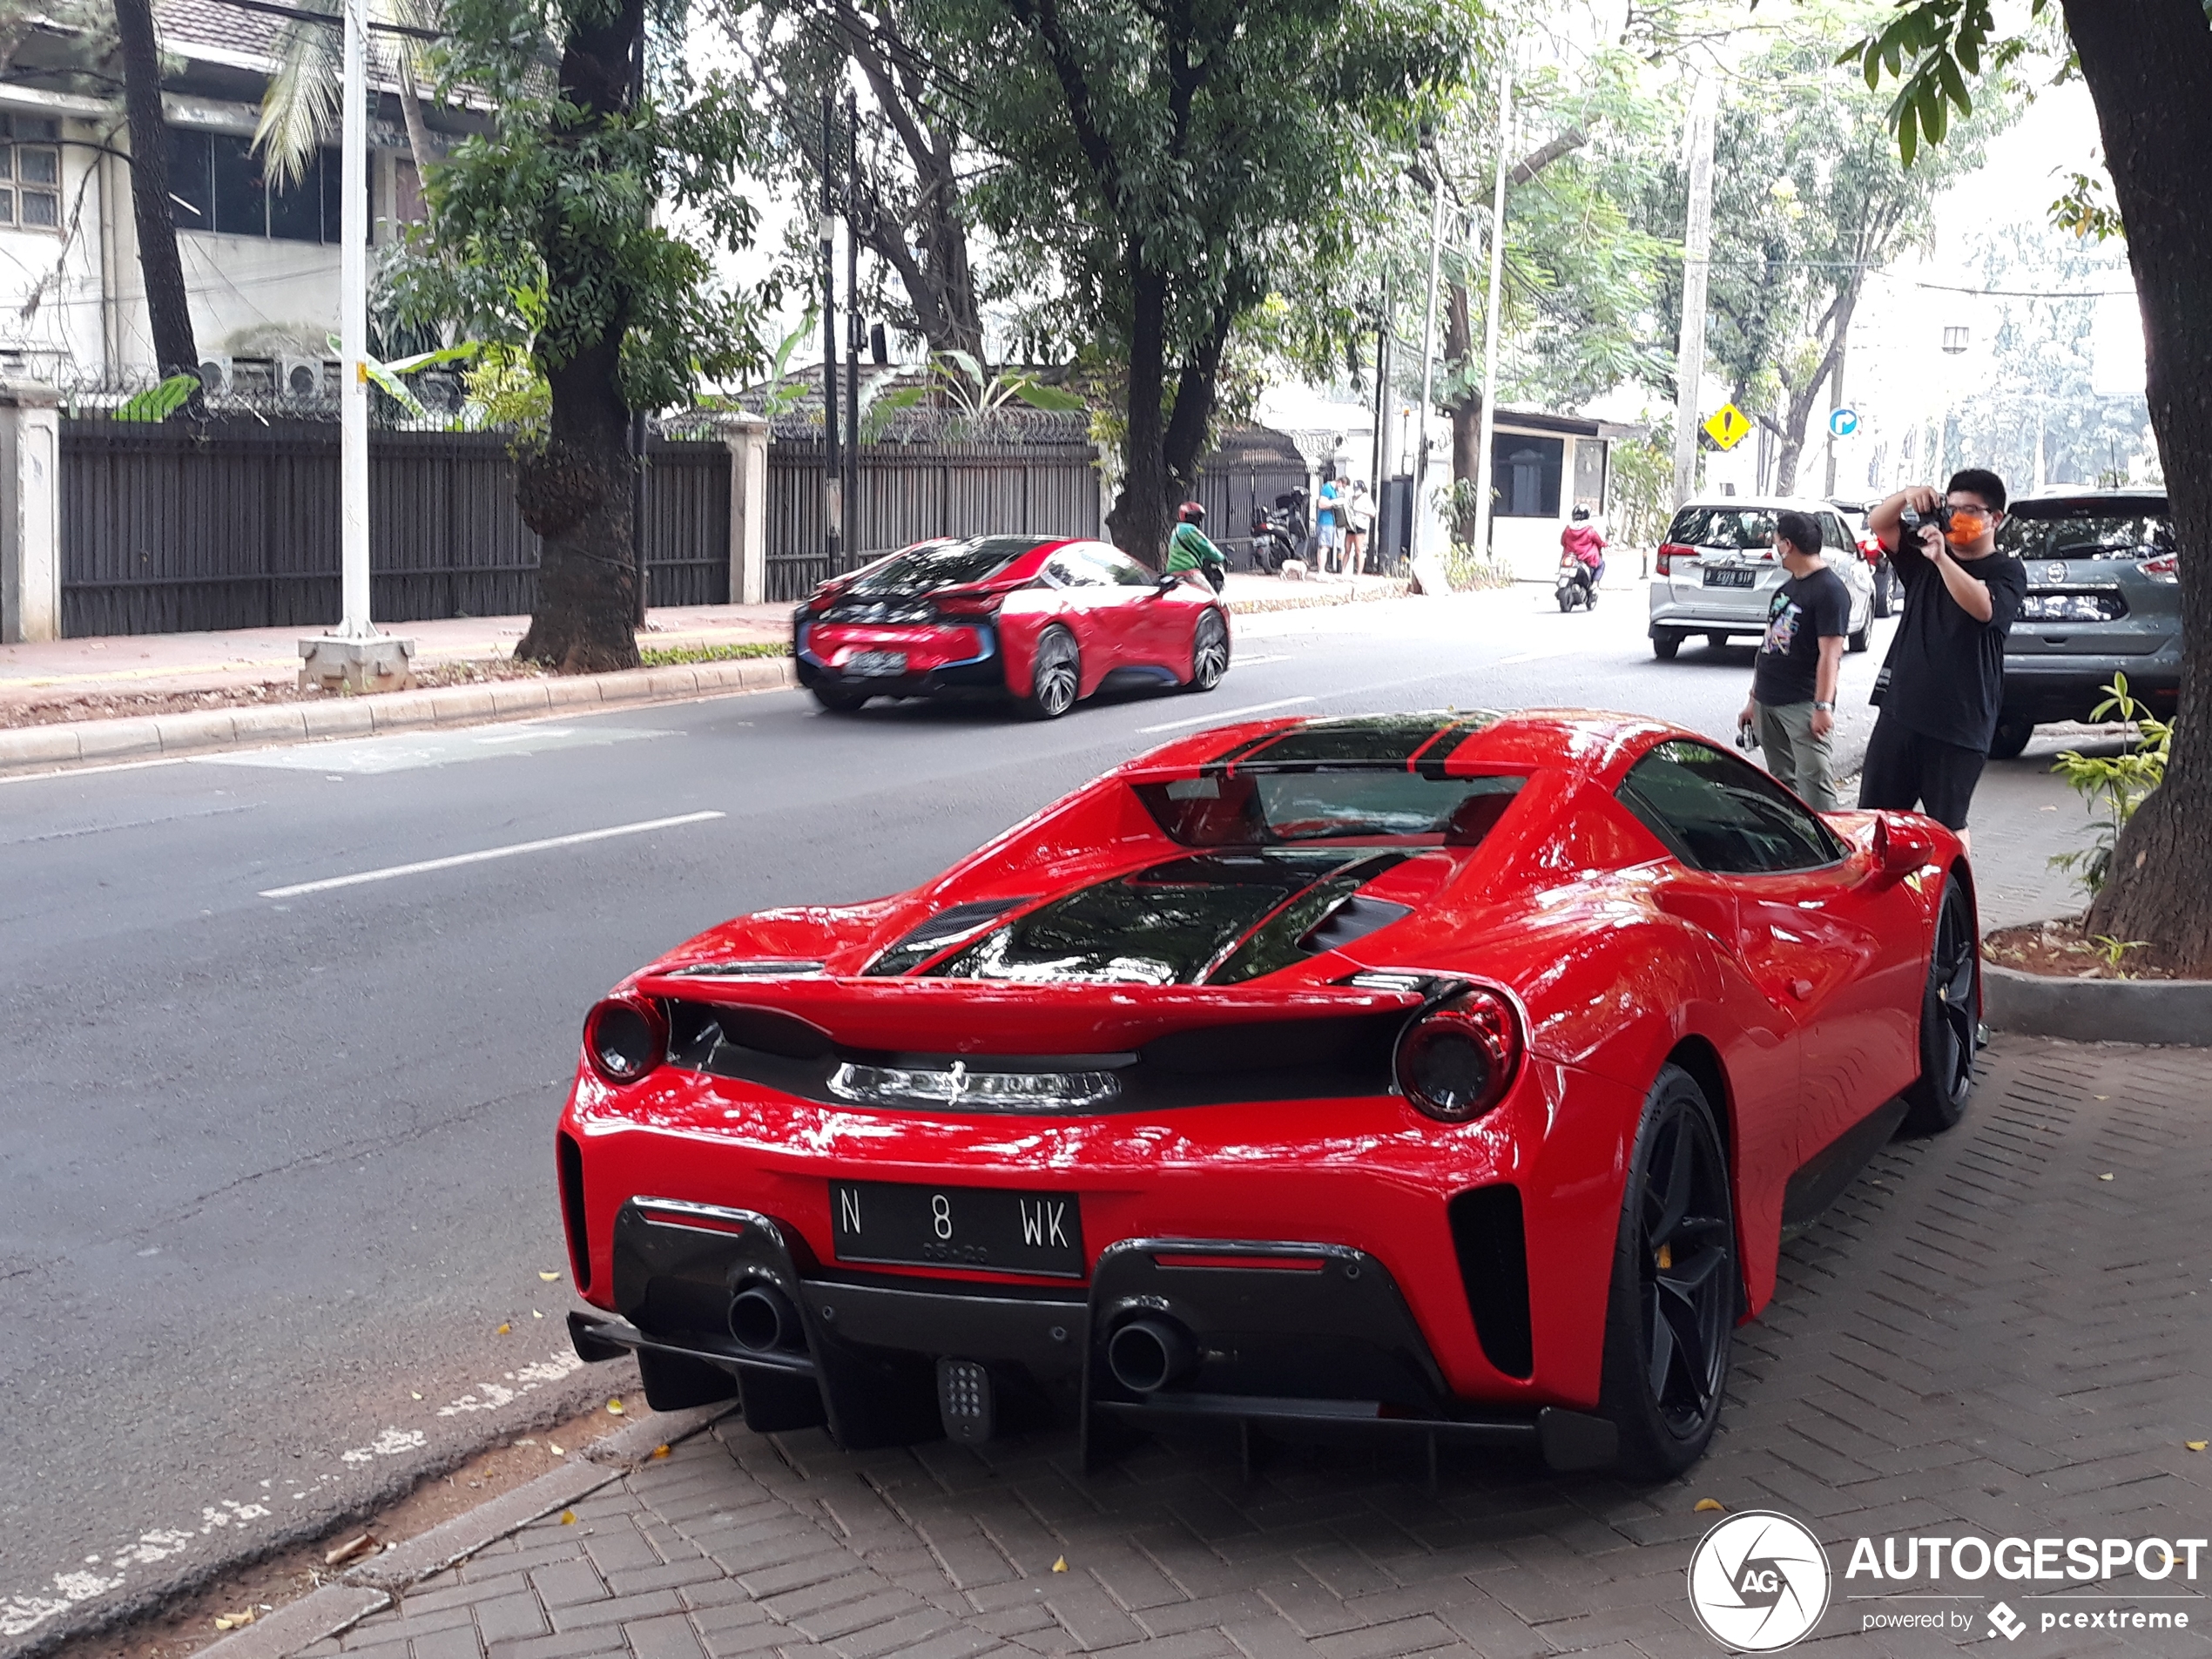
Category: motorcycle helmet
<point>1191,512</point>
<point>1581,515</point>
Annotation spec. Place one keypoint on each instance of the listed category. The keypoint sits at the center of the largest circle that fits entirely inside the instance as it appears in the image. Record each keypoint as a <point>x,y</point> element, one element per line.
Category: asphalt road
<point>278,1168</point>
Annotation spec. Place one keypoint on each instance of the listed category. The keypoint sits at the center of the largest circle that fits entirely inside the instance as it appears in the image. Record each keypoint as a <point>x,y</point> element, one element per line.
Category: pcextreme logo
<point>1758,1581</point>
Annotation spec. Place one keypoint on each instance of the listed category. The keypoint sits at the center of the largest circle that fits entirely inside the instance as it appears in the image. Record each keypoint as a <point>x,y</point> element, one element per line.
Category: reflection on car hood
<point>1217,917</point>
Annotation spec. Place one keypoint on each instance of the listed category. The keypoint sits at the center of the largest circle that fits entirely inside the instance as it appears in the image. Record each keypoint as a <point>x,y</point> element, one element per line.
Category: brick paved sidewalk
<point>1983,1335</point>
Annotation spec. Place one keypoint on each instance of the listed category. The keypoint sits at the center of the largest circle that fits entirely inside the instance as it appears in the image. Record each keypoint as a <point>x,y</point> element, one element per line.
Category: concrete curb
<point>145,736</point>
<point>336,1607</point>
<point>2098,1010</point>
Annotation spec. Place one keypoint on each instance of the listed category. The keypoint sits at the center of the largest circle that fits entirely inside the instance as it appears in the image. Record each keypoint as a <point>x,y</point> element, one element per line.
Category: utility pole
<point>1376,474</point>
<point>833,475</point>
<point>1697,250</point>
<point>851,324</point>
<point>355,657</point>
<point>1428,378</point>
<point>1486,427</point>
<point>640,423</point>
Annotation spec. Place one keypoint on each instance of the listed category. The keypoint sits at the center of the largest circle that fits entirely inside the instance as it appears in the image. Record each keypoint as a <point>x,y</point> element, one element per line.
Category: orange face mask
<point>1966,528</point>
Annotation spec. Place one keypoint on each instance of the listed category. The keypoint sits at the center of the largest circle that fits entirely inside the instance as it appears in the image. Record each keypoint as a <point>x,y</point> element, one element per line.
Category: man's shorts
<point>1330,536</point>
<point>1906,770</point>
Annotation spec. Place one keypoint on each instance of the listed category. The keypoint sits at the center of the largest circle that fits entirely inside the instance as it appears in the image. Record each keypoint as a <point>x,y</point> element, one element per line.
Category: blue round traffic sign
<point>1843,423</point>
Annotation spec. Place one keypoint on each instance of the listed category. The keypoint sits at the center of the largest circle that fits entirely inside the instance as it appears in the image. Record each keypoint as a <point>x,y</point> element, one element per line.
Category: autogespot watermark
<point>1761,1582</point>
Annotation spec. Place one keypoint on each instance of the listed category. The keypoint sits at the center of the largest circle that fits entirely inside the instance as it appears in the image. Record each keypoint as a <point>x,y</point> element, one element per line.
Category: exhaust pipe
<point>762,1320</point>
<point>1147,1355</point>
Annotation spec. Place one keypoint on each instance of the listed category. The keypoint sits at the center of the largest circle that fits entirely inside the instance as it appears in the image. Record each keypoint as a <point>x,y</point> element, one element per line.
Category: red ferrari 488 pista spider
<point>1451,1076</point>
<point>1044,620</point>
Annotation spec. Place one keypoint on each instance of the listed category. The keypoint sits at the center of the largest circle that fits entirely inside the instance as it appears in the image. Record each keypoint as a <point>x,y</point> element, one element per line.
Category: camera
<point>1915,520</point>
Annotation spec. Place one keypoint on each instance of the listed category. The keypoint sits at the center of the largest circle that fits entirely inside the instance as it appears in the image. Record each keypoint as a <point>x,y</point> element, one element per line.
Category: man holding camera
<point>1793,688</point>
<point>1941,687</point>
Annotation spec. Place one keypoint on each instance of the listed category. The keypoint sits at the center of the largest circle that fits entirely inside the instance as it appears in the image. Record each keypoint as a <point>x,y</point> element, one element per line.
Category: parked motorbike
<point>1576,584</point>
<point>1278,533</point>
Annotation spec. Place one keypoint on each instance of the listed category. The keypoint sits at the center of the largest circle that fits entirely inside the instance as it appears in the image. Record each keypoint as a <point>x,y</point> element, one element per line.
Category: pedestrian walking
<point>1360,510</point>
<point>1943,683</point>
<point>1328,522</point>
<point>1792,706</point>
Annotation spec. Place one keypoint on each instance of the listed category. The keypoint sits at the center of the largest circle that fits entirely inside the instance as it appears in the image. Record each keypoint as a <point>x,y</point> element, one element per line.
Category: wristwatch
<point>1825,708</point>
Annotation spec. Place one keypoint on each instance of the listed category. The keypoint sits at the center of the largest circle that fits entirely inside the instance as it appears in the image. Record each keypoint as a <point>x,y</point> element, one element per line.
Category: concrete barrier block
<point>346,717</point>
<point>404,710</point>
<point>519,697</point>
<point>671,682</point>
<point>2098,1010</point>
<point>573,691</point>
<point>272,721</point>
<point>38,746</point>
<point>119,739</point>
<point>200,729</point>
<point>462,704</point>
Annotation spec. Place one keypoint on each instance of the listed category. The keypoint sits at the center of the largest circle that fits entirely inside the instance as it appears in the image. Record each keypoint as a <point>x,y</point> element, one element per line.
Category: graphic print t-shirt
<point>1806,610</point>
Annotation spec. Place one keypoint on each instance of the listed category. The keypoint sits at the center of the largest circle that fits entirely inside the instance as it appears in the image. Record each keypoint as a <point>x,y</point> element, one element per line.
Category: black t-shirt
<point>1945,675</point>
<point>1806,610</point>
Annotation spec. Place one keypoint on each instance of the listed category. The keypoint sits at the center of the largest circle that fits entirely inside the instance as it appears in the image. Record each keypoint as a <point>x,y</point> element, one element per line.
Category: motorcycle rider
<point>1585,544</point>
<point>1189,549</point>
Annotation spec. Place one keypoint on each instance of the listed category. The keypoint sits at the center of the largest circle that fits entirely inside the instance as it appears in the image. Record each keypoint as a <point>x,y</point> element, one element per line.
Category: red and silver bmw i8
<point>1451,1076</point>
<point>1044,620</point>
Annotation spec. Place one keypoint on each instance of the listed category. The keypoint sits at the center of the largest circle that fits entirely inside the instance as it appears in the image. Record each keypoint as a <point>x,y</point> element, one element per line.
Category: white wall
<point>63,336</point>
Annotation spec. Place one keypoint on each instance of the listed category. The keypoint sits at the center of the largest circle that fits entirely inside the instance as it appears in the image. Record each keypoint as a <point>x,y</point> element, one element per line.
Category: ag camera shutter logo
<point>1758,1581</point>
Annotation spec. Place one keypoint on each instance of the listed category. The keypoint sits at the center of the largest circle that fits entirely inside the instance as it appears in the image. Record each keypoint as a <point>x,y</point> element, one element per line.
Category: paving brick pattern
<point>1983,1336</point>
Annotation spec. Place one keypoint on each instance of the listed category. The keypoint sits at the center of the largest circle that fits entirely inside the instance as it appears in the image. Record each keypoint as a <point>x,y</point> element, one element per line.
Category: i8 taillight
<point>1669,551</point>
<point>968,607</point>
<point>624,1038</point>
<point>2167,567</point>
<point>1456,1060</point>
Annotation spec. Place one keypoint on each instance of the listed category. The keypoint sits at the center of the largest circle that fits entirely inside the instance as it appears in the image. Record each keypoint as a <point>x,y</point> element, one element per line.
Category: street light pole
<point>1428,381</point>
<point>833,478</point>
<point>1696,258</point>
<point>355,658</point>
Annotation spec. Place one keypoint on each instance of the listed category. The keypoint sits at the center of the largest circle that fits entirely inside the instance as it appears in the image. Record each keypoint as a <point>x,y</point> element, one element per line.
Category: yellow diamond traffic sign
<point>1727,426</point>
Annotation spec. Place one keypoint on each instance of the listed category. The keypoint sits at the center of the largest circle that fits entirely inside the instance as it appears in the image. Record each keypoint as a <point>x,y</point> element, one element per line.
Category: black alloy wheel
<point>837,700</point>
<point>1208,652</point>
<point>1566,600</point>
<point>1859,638</point>
<point>2010,740</point>
<point>1055,674</point>
<point>1589,597</point>
<point>1677,1288</point>
<point>1950,1019</point>
<point>1664,646</point>
<point>1882,603</point>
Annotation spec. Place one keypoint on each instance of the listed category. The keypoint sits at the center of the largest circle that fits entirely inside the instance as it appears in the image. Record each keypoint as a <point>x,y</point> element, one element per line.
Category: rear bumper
<point>1326,1349</point>
<point>983,671</point>
<point>1696,615</point>
<point>2044,688</point>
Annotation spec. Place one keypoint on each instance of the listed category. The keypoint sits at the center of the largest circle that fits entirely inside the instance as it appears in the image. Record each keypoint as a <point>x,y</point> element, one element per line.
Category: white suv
<point>1717,571</point>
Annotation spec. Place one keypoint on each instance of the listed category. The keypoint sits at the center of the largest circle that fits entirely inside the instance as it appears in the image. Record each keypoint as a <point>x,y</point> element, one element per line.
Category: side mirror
<point>1900,845</point>
<point>1167,582</point>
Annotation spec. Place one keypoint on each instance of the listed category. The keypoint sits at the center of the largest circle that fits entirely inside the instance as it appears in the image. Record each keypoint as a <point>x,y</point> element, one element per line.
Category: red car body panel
<point>1120,627</point>
<point>1798,993</point>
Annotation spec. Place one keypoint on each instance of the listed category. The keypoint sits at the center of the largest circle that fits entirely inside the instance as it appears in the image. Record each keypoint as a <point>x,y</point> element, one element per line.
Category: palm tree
<point>301,104</point>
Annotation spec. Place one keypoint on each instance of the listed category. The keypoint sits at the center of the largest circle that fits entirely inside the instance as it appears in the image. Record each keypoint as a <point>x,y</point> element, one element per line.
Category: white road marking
<point>423,866</point>
<point>405,752</point>
<point>1223,716</point>
<point>1539,656</point>
<point>1253,662</point>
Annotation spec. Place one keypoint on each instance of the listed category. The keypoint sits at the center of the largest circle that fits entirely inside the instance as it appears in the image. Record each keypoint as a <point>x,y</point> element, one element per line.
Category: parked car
<point>1871,549</point>
<point>1448,1078</point>
<point>1716,572</point>
<point>1044,620</point>
<point>2104,597</point>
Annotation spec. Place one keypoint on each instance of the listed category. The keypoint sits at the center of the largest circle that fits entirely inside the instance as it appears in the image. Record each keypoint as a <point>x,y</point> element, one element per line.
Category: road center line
<point>1223,716</point>
<point>424,864</point>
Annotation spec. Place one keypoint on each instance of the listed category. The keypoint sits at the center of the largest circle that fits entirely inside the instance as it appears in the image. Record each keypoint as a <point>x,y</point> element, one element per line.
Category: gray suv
<point>1716,573</point>
<point>2104,597</point>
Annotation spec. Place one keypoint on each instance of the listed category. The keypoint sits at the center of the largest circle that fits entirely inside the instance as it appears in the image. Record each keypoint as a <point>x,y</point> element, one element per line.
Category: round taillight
<point>1456,1060</point>
<point>624,1040</point>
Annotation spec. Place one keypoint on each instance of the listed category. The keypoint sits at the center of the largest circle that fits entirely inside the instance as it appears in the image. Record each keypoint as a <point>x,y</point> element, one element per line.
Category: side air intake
<point>1491,1245</point>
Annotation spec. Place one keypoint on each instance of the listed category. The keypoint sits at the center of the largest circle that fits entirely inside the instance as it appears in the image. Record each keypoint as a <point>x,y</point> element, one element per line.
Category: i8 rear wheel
<point>1950,1018</point>
<point>1055,674</point>
<point>1671,1314</point>
<point>1208,652</point>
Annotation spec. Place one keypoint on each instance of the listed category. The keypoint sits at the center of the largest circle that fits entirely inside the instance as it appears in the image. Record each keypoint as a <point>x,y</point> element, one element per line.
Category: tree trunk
<point>168,311</point>
<point>576,492</point>
<point>1465,412</point>
<point>1139,521</point>
<point>2148,67</point>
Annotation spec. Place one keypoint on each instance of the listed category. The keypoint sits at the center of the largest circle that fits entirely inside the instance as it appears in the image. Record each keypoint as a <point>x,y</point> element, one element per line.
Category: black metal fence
<point>174,528</point>
<point>912,492</point>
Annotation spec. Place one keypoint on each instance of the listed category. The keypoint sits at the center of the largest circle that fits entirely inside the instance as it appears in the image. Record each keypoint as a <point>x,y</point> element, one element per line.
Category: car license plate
<point>926,1226</point>
<point>876,663</point>
<point>1726,577</point>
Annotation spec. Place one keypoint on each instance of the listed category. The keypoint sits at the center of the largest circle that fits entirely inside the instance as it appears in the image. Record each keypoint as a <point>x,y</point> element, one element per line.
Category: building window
<point>219,184</point>
<point>31,173</point>
<point>1526,470</point>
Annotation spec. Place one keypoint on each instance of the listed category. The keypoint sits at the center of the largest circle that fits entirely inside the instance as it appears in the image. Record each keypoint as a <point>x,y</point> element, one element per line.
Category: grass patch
<point>684,656</point>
